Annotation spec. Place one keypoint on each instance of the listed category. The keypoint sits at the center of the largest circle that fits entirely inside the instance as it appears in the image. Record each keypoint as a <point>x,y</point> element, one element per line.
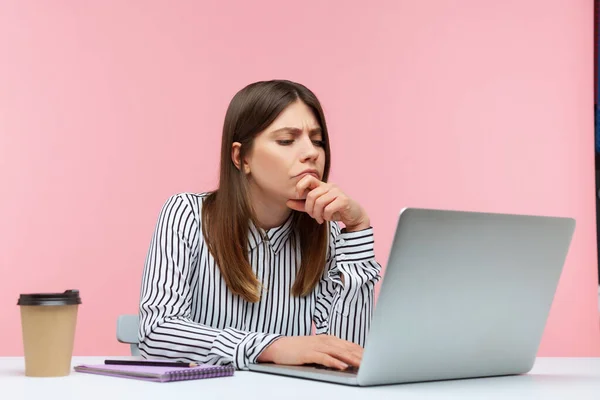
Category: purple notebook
<point>158,374</point>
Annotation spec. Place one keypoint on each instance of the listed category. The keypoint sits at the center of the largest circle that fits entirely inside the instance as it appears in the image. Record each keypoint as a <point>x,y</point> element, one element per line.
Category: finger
<point>354,349</point>
<point>342,354</point>
<point>357,355</point>
<point>351,355</point>
<point>314,196</point>
<point>346,351</point>
<point>346,356</point>
<point>327,360</point>
<point>306,184</point>
<point>320,203</point>
<point>333,210</point>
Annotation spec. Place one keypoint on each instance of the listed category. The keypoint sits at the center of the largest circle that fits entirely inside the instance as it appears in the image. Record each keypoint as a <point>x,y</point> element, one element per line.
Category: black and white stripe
<point>187,312</point>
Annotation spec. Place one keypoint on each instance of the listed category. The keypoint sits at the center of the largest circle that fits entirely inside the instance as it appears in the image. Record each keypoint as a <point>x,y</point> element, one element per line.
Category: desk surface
<point>551,378</point>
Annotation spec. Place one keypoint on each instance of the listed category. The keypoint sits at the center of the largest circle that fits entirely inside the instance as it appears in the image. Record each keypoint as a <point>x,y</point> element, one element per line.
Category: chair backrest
<point>127,331</point>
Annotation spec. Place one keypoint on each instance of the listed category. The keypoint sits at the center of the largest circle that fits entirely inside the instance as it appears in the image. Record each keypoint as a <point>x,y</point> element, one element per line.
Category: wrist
<point>268,353</point>
<point>358,227</point>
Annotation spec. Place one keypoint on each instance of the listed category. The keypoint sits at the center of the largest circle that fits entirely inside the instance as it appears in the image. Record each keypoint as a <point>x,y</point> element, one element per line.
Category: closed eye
<point>285,142</point>
<point>320,143</point>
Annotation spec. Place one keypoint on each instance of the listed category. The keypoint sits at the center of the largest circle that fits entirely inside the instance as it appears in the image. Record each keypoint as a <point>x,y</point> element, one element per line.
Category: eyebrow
<point>296,131</point>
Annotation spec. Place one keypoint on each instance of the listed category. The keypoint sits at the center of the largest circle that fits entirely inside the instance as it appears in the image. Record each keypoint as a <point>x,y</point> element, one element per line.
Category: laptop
<point>464,295</point>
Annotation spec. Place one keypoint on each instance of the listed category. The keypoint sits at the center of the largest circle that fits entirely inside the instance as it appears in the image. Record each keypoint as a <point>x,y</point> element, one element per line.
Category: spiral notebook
<point>158,374</point>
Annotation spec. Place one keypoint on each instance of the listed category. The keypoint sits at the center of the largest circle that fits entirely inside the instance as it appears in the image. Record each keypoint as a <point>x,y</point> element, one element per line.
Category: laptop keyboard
<point>350,370</point>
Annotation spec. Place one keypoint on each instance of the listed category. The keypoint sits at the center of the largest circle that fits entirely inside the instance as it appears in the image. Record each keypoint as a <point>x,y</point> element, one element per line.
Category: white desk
<point>551,378</point>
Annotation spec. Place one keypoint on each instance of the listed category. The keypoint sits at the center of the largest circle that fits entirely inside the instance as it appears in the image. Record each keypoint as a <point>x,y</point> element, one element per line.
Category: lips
<point>311,172</point>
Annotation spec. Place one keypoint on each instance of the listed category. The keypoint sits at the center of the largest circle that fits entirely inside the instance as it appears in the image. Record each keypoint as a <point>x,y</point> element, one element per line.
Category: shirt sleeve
<point>166,329</point>
<point>344,301</point>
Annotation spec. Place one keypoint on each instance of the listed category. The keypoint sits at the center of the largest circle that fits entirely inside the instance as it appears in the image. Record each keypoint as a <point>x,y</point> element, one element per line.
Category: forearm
<point>345,304</point>
<point>180,338</point>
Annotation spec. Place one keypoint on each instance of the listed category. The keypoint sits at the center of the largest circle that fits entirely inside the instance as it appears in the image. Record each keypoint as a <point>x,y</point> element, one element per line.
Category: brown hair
<point>227,211</point>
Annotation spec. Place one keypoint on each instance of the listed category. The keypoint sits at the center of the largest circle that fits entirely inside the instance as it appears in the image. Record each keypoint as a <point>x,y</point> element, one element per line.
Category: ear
<point>235,157</point>
<point>235,154</point>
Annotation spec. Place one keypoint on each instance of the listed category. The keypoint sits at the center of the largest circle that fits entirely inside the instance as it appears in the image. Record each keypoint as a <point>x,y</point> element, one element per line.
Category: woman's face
<point>290,148</point>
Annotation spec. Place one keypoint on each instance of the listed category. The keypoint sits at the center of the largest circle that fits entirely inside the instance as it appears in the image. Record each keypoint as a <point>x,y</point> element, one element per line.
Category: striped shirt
<point>187,312</point>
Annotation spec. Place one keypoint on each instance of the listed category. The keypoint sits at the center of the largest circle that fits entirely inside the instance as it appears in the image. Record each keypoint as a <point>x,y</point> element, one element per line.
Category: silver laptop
<point>464,295</point>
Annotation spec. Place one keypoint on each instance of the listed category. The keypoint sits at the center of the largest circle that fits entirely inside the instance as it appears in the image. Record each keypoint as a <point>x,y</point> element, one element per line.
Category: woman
<point>240,275</point>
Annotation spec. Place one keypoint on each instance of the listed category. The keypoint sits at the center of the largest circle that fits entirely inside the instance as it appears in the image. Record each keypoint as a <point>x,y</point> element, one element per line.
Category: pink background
<point>109,107</point>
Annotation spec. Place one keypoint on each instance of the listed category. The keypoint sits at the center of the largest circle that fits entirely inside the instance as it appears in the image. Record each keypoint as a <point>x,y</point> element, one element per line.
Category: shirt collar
<point>276,237</point>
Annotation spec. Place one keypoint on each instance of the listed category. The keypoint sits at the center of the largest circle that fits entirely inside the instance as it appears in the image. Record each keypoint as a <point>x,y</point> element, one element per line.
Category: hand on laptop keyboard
<point>325,350</point>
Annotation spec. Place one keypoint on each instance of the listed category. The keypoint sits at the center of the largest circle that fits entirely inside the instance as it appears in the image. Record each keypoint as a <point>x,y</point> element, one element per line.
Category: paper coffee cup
<point>48,323</point>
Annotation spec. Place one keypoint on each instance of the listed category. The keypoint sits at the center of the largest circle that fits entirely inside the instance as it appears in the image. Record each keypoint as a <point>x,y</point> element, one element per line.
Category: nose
<point>309,150</point>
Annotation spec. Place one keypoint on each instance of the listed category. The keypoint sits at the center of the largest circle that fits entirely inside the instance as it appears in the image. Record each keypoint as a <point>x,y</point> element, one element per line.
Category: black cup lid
<point>68,297</point>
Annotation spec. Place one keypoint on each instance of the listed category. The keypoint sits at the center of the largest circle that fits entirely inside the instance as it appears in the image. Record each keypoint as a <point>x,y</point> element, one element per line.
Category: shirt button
<point>342,257</point>
<point>341,242</point>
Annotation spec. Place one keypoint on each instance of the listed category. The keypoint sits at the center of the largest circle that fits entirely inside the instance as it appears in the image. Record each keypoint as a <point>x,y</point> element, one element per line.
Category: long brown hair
<point>227,212</point>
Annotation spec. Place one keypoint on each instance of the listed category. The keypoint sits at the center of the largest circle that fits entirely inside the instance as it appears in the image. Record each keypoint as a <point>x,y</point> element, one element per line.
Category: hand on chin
<point>326,202</point>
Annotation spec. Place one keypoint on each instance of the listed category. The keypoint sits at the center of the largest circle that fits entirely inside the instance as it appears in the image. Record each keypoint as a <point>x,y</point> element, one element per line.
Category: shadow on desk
<point>508,384</point>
